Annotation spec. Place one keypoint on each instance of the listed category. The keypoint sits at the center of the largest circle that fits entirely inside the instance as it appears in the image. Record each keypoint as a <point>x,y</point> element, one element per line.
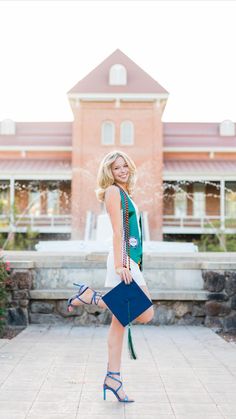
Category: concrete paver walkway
<point>57,372</point>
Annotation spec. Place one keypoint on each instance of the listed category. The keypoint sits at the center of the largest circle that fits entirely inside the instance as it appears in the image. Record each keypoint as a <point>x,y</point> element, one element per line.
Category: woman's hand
<point>125,274</point>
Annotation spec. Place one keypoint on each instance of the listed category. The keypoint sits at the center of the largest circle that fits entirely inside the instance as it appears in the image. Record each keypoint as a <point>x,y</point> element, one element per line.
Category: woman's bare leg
<point>115,343</point>
<point>148,314</point>
<point>86,297</point>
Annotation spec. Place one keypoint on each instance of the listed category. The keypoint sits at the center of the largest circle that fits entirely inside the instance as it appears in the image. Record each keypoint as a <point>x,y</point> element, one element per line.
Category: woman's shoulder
<point>112,190</point>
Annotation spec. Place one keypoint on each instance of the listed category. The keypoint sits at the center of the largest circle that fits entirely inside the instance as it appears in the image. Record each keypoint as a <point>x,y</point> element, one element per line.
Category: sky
<point>187,46</point>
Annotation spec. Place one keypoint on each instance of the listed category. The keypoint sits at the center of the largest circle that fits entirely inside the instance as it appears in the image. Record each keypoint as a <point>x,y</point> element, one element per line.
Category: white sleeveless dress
<point>112,278</point>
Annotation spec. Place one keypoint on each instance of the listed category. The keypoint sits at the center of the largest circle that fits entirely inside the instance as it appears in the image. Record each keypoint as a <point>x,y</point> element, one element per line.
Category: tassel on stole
<point>132,352</point>
<point>131,349</point>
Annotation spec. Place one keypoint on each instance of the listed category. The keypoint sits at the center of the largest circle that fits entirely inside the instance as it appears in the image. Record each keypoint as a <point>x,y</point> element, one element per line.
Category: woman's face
<point>120,170</point>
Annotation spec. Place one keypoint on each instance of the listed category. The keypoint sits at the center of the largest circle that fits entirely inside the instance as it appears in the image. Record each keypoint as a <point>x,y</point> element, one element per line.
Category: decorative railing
<point>35,221</point>
<point>204,222</point>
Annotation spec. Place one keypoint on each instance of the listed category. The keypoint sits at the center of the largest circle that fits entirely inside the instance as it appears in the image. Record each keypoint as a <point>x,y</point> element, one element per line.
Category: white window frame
<point>180,200</point>
<point>227,128</point>
<point>122,134</point>
<point>230,200</point>
<point>35,203</point>
<point>199,200</point>
<point>53,197</point>
<point>7,127</point>
<point>5,197</point>
<point>111,141</point>
<point>118,75</point>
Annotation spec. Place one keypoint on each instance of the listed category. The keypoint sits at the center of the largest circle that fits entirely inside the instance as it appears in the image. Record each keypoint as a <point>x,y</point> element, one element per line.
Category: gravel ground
<point>229,336</point>
<point>11,332</point>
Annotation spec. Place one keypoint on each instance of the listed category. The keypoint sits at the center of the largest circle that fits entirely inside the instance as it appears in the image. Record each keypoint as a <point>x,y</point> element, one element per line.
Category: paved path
<point>57,372</point>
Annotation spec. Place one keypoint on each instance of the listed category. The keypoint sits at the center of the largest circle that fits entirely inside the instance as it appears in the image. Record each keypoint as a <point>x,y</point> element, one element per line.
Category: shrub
<point>214,243</point>
<point>4,274</point>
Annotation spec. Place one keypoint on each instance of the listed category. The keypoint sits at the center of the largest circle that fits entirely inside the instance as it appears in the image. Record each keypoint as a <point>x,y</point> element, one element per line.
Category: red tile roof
<point>39,134</point>
<point>175,134</point>
<point>195,134</point>
<point>35,166</point>
<point>138,81</point>
<point>191,167</point>
<point>200,167</point>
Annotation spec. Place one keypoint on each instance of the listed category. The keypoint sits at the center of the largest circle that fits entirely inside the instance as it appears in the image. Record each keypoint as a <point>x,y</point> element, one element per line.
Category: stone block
<point>17,316</point>
<point>218,296</point>
<point>230,285</point>
<point>93,309</point>
<point>104,317</point>
<point>81,320</point>
<point>23,278</point>
<point>214,322</point>
<point>214,308</point>
<point>91,319</point>
<point>11,283</point>
<point>24,303</point>
<point>230,323</point>
<point>213,281</point>
<point>233,302</point>
<point>188,319</point>
<point>61,308</point>
<point>9,298</point>
<point>14,303</point>
<point>42,307</point>
<point>198,310</point>
<point>20,294</point>
<point>182,308</point>
<point>163,315</point>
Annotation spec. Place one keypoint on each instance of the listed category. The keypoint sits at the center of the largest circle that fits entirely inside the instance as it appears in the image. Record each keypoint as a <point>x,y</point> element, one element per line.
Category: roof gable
<point>138,81</point>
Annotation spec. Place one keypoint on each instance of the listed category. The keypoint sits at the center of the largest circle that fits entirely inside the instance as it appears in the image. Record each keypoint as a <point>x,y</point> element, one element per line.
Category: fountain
<point>99,239</point>
<point>172,269</point>
<point>103,241</point>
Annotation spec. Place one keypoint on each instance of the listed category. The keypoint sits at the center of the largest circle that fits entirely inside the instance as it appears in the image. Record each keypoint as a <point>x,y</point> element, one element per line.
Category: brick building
<point>186,171</point>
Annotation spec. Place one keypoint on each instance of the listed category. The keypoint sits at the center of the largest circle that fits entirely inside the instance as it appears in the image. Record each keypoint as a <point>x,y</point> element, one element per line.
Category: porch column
<point>222,204</point>
<point>12,201</point>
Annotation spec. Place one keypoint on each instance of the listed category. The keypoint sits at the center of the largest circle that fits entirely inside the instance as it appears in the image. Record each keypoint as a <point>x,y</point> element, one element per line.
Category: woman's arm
<point>113,207</point>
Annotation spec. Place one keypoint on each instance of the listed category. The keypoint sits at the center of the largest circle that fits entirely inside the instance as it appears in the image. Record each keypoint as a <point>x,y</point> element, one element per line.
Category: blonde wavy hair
<point>105,177</point>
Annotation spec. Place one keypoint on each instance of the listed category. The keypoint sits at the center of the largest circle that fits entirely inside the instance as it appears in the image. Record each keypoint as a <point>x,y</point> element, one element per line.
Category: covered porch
<point>35,195</point>
<point>199,197</point>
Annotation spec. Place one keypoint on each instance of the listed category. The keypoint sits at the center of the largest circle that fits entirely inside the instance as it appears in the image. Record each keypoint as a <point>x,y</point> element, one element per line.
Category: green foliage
<point>231,242</point>
<point>19,241</point>
<point>230,223</point>
<point>4,274</point>
<point>214,243</point>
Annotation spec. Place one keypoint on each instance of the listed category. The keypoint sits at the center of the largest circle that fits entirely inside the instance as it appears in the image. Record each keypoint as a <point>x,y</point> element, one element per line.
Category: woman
<point>116,171</point>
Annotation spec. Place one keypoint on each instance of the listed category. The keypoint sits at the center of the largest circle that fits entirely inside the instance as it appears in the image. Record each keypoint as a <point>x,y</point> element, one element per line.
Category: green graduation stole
<point>134,240</point>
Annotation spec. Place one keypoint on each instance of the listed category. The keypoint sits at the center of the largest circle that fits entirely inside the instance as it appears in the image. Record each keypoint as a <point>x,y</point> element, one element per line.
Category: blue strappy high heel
<point>82,288</point>
<point>114,391</point>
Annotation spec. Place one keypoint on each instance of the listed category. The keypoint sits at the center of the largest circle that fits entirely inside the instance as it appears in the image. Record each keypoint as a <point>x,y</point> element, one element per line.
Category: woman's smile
<point>120,170</point>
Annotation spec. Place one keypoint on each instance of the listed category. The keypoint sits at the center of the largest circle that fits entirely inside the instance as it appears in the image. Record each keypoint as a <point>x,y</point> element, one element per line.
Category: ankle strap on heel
<point>109,375</point>
<point>111,372</point>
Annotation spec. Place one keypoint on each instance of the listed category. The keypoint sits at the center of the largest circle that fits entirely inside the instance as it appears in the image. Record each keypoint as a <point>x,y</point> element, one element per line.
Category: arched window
<point>108,133</point>
<point>227,128</point>
<point>118,75</point>
<point>7,127</point>
<point>127,133</point>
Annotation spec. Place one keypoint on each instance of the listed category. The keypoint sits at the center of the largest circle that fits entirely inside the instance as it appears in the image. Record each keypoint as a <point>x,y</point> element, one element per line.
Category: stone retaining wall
<point>220,309</point>
<point>213,306</point>
<point>166,312</point>
<point>18,287</point>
